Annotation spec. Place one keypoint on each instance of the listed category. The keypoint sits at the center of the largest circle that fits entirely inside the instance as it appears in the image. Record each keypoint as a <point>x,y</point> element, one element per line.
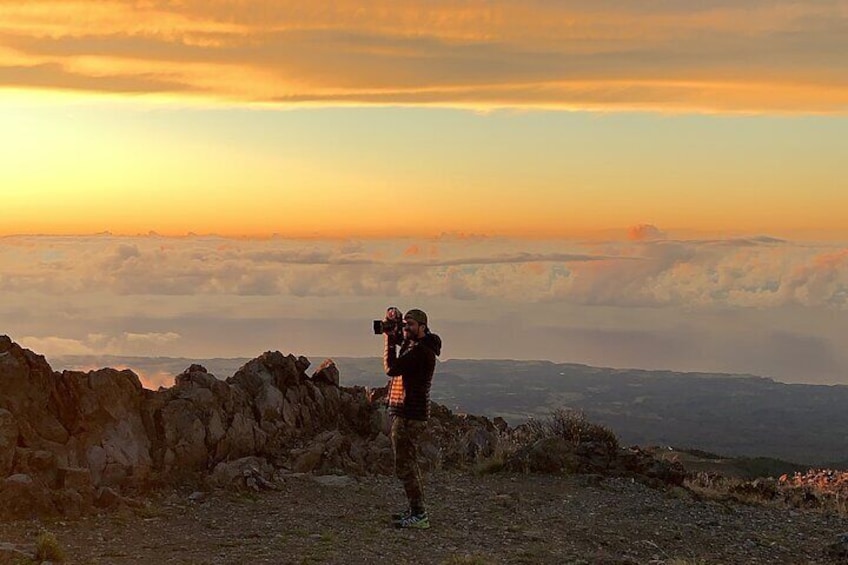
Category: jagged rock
<point>42,404</point>
<point>110,435</point>
<point>327,373</point>
<point>185,436</point>
<point>70,502</point>
<point>253,473</point>
<point>23,497</point>
<point>8,441</point>
<point>269,403</point>
<point>302,363</point>
<point>271,367</point>
<point>37,463</point>
<point>107,498</point>
<point>70,435</point>
<point>78,479</point>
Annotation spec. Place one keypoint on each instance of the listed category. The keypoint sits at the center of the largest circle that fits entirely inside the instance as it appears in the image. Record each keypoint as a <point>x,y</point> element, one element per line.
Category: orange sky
<point>525,119</point>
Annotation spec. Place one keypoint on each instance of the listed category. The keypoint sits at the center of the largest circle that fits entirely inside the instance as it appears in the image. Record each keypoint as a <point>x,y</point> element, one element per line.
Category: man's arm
<point>394,365</point>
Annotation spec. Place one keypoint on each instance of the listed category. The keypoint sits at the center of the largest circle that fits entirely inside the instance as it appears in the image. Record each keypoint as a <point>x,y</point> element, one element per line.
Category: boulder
<point>327,373</point>
<point>23,497</point>
<point>11,553</point>
<point>111,436</point>
<point>41,402</point>
<point>271,367</point>
<point>8,441</point>
<point>247,473</point>
<point>269,403</point>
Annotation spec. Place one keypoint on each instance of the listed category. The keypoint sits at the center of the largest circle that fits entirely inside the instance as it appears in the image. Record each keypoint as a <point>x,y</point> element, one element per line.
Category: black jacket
<point>413,370</point>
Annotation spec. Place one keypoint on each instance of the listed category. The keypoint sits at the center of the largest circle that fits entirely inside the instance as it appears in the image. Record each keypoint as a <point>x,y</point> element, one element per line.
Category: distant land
<point>732,415</point>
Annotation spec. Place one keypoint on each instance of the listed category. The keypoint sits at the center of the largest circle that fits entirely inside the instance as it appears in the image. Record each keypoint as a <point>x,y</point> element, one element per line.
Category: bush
<point>570,425</point>
<point>47,548</point>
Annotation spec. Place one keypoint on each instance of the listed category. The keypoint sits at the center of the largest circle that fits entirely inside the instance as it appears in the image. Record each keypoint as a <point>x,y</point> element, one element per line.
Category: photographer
<point>411,374</point>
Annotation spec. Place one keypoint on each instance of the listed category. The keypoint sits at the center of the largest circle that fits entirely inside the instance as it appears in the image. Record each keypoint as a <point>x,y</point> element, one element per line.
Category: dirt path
<point>490,519</point>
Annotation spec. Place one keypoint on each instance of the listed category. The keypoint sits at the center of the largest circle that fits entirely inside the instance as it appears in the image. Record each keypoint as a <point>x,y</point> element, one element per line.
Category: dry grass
<point>47,548</point>
<point>570,425</point>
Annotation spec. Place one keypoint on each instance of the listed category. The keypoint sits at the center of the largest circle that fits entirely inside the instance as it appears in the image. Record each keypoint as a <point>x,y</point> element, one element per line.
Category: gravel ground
<point>496,518</point>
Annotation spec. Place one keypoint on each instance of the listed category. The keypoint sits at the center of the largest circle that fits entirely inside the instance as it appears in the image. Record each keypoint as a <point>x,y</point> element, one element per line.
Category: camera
<point>391,325</point>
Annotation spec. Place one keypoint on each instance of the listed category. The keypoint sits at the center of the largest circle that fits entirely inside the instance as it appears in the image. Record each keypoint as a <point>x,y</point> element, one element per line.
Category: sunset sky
<point>656,184</point>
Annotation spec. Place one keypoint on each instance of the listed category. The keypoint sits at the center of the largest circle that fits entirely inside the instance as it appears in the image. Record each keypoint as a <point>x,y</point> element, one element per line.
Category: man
<point>411,374</point>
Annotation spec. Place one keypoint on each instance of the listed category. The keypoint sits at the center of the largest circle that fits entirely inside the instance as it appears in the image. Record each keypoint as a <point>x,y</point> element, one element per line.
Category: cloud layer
<point>758,304</point>
<point>647,270</point>
<point>710,56</point>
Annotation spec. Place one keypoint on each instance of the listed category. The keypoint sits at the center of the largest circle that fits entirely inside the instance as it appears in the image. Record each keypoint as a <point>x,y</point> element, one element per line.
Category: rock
<point>72,503</point>
<point>107,498</point>
<point>270,367</point>
<point>11,553</point>
<point>23,497</point>
<point>37,463</point>
<point>8,441</point>
<point>254,473</point>
<point>327,373</point>
<point>501,424</point>
<point>77,479</point>
<point>43,404</point>
<point>307,462</point>
<point>334,480</point>
<point>269,403</point>
<point>111,435</point>
<point>184,436</point>
<point>197,496</point>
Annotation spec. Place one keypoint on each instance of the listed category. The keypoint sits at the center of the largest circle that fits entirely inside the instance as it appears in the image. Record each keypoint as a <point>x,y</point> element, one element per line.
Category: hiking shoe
<point>398,516</point>
<point>420,521</point>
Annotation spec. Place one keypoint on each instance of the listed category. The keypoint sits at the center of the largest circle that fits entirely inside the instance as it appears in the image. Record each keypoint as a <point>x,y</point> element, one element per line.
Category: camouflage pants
<point>405,437</point>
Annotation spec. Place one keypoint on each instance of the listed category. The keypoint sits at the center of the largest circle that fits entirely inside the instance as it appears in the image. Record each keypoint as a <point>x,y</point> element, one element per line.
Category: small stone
<point>334,480</point>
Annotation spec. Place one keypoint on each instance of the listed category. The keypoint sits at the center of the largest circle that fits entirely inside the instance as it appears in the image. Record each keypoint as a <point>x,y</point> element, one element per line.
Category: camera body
<point>391,325</point>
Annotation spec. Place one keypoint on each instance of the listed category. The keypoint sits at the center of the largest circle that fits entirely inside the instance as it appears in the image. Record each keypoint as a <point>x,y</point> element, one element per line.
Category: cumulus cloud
<point>644,231</point>
<point>709,56</point>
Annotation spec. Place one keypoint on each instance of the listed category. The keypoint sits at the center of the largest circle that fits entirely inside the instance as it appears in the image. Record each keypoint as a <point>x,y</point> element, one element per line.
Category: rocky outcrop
<point>73,441</point>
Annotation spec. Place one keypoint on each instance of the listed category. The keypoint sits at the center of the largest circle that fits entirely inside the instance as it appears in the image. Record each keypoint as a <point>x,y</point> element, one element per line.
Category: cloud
<point>151,338</point>
<point>53,345</point>
<point>712,56</point>
<point>753,272</point>
<point>643,232</point>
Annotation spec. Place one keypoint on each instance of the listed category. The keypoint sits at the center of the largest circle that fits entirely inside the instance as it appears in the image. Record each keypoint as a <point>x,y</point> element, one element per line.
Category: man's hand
<point>390,340</point>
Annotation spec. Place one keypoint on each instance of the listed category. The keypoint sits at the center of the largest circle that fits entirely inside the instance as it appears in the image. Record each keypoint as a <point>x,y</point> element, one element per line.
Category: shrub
<point>570,425</point>
<point>47,548</point>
